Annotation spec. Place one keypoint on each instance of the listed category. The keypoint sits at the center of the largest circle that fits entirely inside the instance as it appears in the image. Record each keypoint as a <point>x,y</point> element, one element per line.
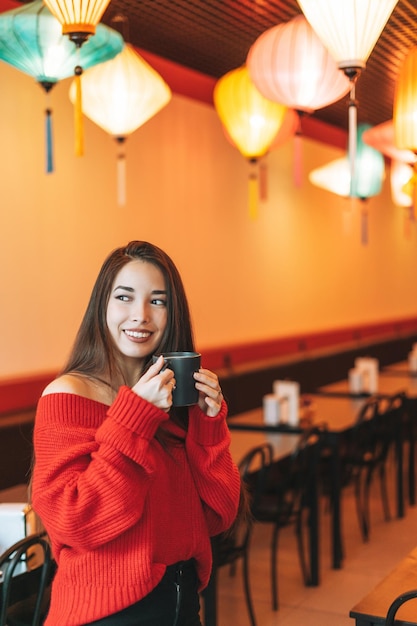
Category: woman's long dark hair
<point>93,352</point>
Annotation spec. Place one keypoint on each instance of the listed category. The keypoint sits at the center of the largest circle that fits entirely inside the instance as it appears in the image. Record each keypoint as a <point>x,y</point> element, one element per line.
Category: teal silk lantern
<point>369,168</point>
<point>31,40</point>
<point>369,171</point>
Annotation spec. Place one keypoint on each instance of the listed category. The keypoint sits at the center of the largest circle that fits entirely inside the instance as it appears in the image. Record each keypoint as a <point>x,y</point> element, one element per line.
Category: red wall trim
<point>21,393</point>
<point>230,356</point>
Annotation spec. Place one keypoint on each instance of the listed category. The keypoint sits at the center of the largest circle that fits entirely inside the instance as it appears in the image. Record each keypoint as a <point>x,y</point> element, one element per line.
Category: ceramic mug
<point>183,364</point>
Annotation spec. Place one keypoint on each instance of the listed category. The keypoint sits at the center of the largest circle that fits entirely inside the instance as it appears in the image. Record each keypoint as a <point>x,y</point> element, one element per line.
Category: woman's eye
<point>123,298</point>
<point>159,302</point>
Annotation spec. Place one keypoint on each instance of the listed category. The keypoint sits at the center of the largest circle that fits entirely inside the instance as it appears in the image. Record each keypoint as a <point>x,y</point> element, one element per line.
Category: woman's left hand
<point>210,397</point>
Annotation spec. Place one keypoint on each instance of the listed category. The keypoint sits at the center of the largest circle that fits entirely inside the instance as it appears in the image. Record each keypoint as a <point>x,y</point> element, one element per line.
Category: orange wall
<point>298,267</point>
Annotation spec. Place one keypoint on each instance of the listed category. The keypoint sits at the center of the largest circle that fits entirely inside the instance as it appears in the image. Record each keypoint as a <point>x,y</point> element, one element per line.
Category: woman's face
<point>137,309</point>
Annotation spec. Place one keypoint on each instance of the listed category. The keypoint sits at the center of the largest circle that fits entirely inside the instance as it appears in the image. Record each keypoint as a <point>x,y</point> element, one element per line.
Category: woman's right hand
<point>156,385</point>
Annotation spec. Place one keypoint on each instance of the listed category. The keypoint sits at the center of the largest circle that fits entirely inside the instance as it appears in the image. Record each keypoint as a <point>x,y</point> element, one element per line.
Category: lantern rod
<point>352,73</point>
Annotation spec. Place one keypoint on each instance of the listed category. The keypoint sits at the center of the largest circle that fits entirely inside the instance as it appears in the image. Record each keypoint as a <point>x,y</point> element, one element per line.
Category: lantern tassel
<point>253,190</point>
<point>352,141</point>
<point>364,226</point>
<point>48,141</point>
<point>121,174</point>
<point>263,182</point>
<point>298,155</point>
<point>78,113</point>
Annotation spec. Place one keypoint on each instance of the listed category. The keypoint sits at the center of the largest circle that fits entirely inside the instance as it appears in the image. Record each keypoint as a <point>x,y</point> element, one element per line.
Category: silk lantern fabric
<point>289,64</point>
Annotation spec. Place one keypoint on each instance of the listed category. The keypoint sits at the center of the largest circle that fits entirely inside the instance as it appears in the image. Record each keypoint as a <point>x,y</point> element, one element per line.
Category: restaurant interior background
<point>298,267</point>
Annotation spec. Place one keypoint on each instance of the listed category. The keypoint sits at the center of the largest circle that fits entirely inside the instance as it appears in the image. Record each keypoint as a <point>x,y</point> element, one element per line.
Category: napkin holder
<point>288,393</point>
<point>369,368</point>
<point>271,409</point>
<point>355,380</point>
<point>17,521</point>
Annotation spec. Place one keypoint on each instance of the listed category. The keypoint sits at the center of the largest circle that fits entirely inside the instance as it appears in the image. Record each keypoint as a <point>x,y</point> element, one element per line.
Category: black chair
<point>285,499</point>
<point>397,603</point>
<point>24,593</point>
<point>364,451</point>
<point>233,546</point>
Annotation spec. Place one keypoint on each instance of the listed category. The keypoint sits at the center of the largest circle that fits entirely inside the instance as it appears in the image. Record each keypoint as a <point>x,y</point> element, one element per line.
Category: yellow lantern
<point>79,18</point>
<point>121,95</point>
<point>251,121</point>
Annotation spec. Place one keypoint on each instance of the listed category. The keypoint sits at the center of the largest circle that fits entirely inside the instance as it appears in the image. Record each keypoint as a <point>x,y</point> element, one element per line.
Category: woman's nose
<point>141,314</point>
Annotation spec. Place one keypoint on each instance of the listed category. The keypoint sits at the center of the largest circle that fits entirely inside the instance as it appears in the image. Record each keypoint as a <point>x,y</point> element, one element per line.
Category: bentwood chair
<point>26,569</point>
<point>284,501</point>
<point>233,546</point>
<point>364,452</point>
<point>397,603</point>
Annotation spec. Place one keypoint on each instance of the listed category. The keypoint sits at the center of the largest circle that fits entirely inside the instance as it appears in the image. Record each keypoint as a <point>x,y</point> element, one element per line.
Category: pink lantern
<point>382,138</point>
<point>289,64</point>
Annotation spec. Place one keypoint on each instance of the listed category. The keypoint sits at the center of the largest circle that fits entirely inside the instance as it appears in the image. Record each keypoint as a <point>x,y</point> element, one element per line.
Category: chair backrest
<point>253,469</point>
<point>18,587</point>
<point>395,605</point>
<point>233,544</point>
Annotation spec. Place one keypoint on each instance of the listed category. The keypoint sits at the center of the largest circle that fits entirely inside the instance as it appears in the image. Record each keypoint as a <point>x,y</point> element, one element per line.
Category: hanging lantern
<point>334,177</point>
<point>287,130</point>
<point>79,19</point>
<point>350,30</point>
<point>369,168</point>
<point>369,175</point>
<point>401,184</point>
<point>121,95</point>
<point>250,119</point>
<point>289,64</point>
<point>382,138</point>
<point>31,41</point>
<point>405,106</point>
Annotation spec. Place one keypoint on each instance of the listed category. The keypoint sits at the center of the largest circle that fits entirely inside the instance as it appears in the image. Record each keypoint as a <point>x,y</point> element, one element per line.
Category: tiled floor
<point>365,564</point>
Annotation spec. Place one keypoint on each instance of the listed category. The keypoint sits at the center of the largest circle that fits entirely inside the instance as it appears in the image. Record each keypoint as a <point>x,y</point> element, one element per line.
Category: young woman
<point>129,488</point>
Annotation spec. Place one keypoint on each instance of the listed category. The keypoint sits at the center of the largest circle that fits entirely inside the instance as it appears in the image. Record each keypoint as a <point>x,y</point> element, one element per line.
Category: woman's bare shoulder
<point>69,383</point>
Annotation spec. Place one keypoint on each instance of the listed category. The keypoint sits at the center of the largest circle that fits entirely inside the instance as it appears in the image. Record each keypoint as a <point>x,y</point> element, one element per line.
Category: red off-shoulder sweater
<point>119,505</point>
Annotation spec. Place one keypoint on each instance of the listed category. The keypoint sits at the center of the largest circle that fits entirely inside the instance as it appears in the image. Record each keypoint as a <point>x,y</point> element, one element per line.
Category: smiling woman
<point>106,430</point>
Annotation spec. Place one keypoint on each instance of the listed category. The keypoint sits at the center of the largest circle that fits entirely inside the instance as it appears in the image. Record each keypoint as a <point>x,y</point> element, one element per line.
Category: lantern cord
<point>121,174</point>
<point>353,115</point>
<point>48,141</point>
<point>253,189</point>
<point>263,181</point>
<point>298,154</point>
<point>78,113</point>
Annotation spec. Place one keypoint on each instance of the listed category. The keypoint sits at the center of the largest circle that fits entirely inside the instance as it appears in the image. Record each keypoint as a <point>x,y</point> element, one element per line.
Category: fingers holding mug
<point>211,396</point>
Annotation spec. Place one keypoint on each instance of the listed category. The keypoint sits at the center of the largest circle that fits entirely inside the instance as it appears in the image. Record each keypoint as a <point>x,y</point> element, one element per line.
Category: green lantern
<point>31,40</point>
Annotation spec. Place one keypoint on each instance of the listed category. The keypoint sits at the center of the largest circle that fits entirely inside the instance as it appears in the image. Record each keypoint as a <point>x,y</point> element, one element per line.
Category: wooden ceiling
<point>214,37</point>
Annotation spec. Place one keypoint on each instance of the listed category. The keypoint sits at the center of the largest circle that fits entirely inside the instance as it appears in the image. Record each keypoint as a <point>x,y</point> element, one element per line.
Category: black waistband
<point>181,566</point>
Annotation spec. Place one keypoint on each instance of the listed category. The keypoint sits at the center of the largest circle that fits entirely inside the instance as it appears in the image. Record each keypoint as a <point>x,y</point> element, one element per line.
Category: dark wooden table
<point>338,413</point>
<point>372,609</point>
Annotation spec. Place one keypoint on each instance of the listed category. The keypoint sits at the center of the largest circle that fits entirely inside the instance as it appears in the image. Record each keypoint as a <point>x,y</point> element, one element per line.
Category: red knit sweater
<point>119,506</point>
